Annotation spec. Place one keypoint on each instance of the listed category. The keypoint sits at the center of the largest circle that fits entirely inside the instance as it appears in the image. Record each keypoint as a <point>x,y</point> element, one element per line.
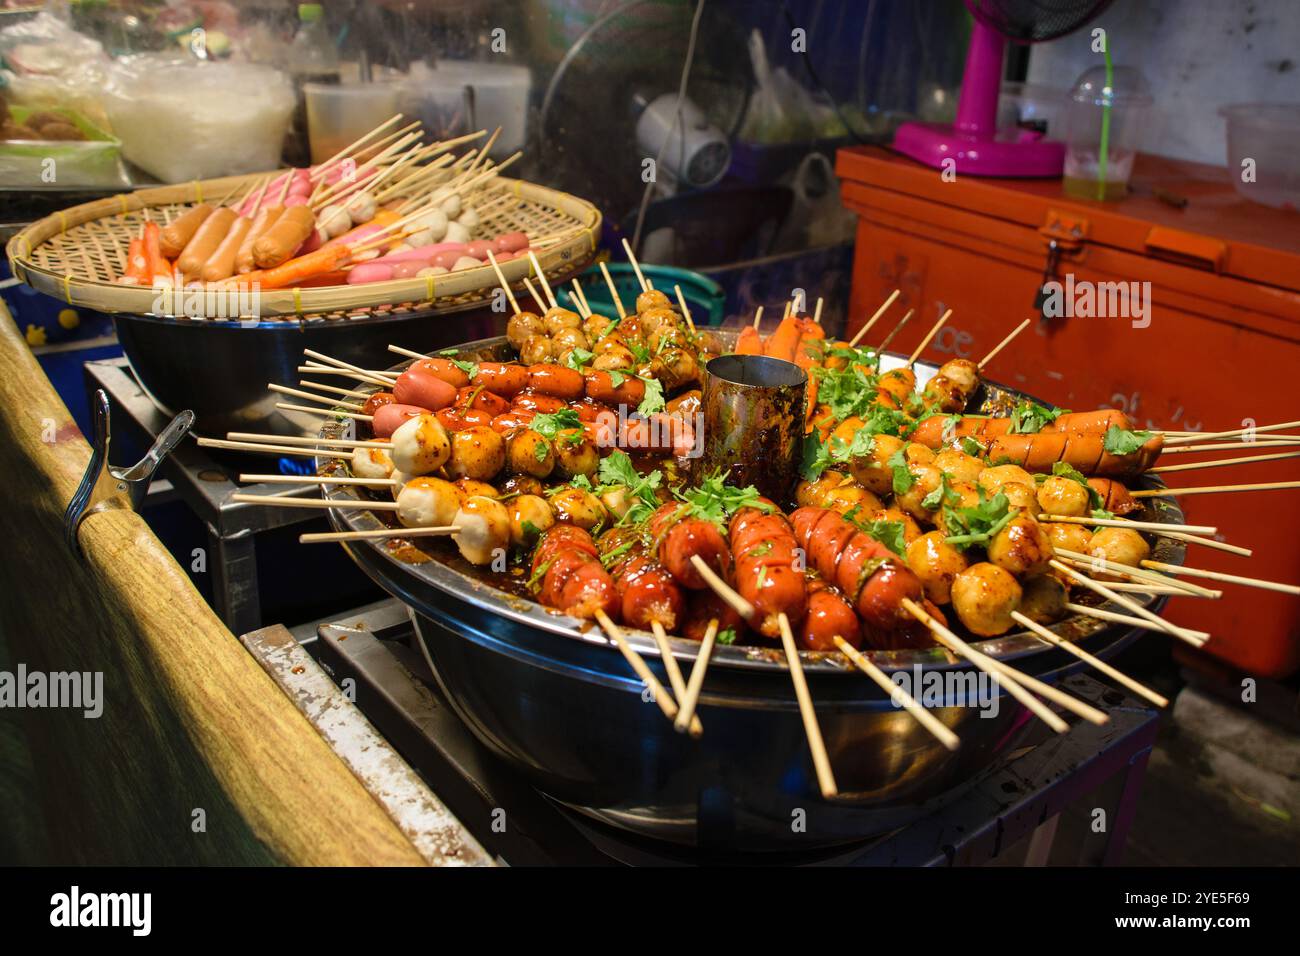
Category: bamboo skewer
<point>722,589</point>
<point>636,266</point>
<point>785,313</point>
<point>1104,615</point>
<point>313,502</point>
<point>934,330</point>
<point>345,392</point>
<point>613,291</point>
<point>1130,587</point>
<point>537,299</point>
<point>338,363</point>
<point>1256,429</point>
<point>899,696</point>
<point>1208,489</point>
<point>285,450</point>
<point>1264,443</point>
<point>359,376</point>
<point>541,278</point>
<point>323,168</point>
<point>817,311</point>
<point>328,536</point>
<point>642,669</point>
<point>326,412</point>
<point>501,277</point>
<point>984,663</point>
<point>907,317</point>
<point>307,440</point>
<point>1218,463</point>
<point>1222,576</point>
<point>584,309</point>
<point>691,698</point>
<point>1115,675</point>
<point>409,353</point>
<point>1208,543</point>
<point>323,399</point>
<point>758,317</point>
<point>893,297</point>
<point>318,480</point>
<point>671,668</point>
<point>1106,592</point>
<point>686,310</point>
<point>1001,345</point>
<point>1098,563</point>
<point>1155,526</point>
<point>812,730</point>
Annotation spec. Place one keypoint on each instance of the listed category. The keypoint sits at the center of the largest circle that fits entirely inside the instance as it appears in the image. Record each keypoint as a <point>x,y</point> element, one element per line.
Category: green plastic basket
<point>706,299</point>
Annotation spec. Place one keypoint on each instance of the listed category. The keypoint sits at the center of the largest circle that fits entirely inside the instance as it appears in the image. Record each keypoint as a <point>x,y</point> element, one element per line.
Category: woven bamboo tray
<point>74,255</point>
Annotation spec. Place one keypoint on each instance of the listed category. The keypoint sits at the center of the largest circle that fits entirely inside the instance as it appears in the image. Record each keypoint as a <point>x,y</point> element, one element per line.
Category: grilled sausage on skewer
<point>767,570</point>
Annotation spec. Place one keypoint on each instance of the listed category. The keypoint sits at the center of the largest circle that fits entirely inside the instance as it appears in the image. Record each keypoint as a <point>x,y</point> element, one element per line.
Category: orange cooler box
<point>1218,346</point>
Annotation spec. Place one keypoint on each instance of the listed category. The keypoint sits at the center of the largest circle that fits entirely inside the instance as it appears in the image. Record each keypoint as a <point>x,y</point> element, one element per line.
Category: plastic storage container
<point>93,162</point>
<point>1268,135</point>
<point>339,115</point>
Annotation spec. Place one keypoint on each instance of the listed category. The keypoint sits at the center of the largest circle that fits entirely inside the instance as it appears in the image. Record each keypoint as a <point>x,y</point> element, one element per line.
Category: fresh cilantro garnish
<point>903,477</point>
<point>889,533</point>
<point>639,351</point>
<point>1063,469</point>
<point>449,352</point>
<point>714,500</point>
<point>943,495</point>
<point>726,636</point>
<point>1121,441</point>
<point>541,450</point>
<point>816,457</point>
<point>617,471</point>
<point>540,573</point>
<point>888,421</point>
<point>979,524</point>
<point>616,378</point>
<point>529,528</point>
<point>551,425</point>
<point>971,447</point>
<point>612,555</point>
<point>469,368</point>
<point>762,576</point>
<point>581,481</point>
<point>579,358</point>
<point>1030,417</point>
<point>1103,513</point>
<point>846,392</point>
<point>654,397</point>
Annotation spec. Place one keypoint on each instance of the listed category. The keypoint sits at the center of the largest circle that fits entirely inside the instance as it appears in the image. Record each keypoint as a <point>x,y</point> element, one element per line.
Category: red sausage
<point>829,616</point>
<point>458,419</point>
<point>391,416</point>
<point>445,370</point>
<point>531,401</point>
<point>773,589</point>
<point>503,378</point>
<point>511,420</point>
<point>476,396</point>
<point>706,607</point>
<point>419,386</point>
<point>589,411</point>
<point>558,380</point>
<point>600,387</point>
<point>680,540</point>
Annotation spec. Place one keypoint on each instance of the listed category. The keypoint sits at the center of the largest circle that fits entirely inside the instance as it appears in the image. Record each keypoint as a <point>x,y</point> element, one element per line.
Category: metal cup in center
<point>753,409</point>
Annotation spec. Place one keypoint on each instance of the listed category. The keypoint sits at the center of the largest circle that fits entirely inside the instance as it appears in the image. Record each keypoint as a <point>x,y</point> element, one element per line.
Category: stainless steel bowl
<point>550,695</point>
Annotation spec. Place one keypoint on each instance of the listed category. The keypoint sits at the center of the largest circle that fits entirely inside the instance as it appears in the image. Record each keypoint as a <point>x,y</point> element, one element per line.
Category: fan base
<point>1014,153</point>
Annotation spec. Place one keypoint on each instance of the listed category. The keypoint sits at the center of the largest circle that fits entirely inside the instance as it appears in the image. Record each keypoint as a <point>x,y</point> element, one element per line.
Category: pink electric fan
<point>978,147</point>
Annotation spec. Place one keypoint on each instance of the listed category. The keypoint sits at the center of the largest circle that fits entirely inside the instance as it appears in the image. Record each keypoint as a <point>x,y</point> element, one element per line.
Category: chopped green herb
<point>612,555</point>
<point>541,450</point>
<point>1063,469</point>
<point>1030,417</point>
<point>903,477</point>
<point>762,576</point>
<point>1120,441</point>
<point>617,471</point>
<point>979,524</point>
<point>726,636</point>
<point>540,573</point>
<point>469,368</point>
<point>971,447</point>
<point>889,533</point>
<point>551,425</point>
<point>654,397</point>
<point>715,500</point>
<point>529,528</point>
<point>616,378</point>
<point>579,358</point>
<point>815,459</point>
<point>941,496</point>
<point>449,352</point>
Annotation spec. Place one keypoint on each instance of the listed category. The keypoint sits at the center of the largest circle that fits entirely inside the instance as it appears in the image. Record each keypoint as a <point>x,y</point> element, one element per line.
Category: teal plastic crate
<point>706,299</point>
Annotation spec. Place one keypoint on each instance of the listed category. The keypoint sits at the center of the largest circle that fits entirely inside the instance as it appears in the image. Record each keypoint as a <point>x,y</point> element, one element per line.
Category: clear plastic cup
<point>1104,126</point>
<point>339,115</point>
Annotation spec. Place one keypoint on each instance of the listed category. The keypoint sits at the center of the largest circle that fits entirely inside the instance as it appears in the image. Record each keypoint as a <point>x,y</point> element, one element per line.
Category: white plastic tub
<point>1264,152</point>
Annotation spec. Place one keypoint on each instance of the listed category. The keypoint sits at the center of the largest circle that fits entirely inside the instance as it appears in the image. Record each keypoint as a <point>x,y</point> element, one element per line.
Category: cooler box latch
<point>1064,233</point>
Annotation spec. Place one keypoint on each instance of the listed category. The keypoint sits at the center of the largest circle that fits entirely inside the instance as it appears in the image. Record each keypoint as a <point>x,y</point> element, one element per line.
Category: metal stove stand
<point>1049,779</point>
<point>204,483</point>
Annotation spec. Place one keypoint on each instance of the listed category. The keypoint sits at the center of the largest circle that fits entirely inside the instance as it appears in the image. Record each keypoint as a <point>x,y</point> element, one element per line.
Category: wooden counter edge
<point>127,609</point>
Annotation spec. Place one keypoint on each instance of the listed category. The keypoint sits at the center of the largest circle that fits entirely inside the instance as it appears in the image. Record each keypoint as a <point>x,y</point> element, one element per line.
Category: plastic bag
<point>52,65</point>
<point>181,120</point>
